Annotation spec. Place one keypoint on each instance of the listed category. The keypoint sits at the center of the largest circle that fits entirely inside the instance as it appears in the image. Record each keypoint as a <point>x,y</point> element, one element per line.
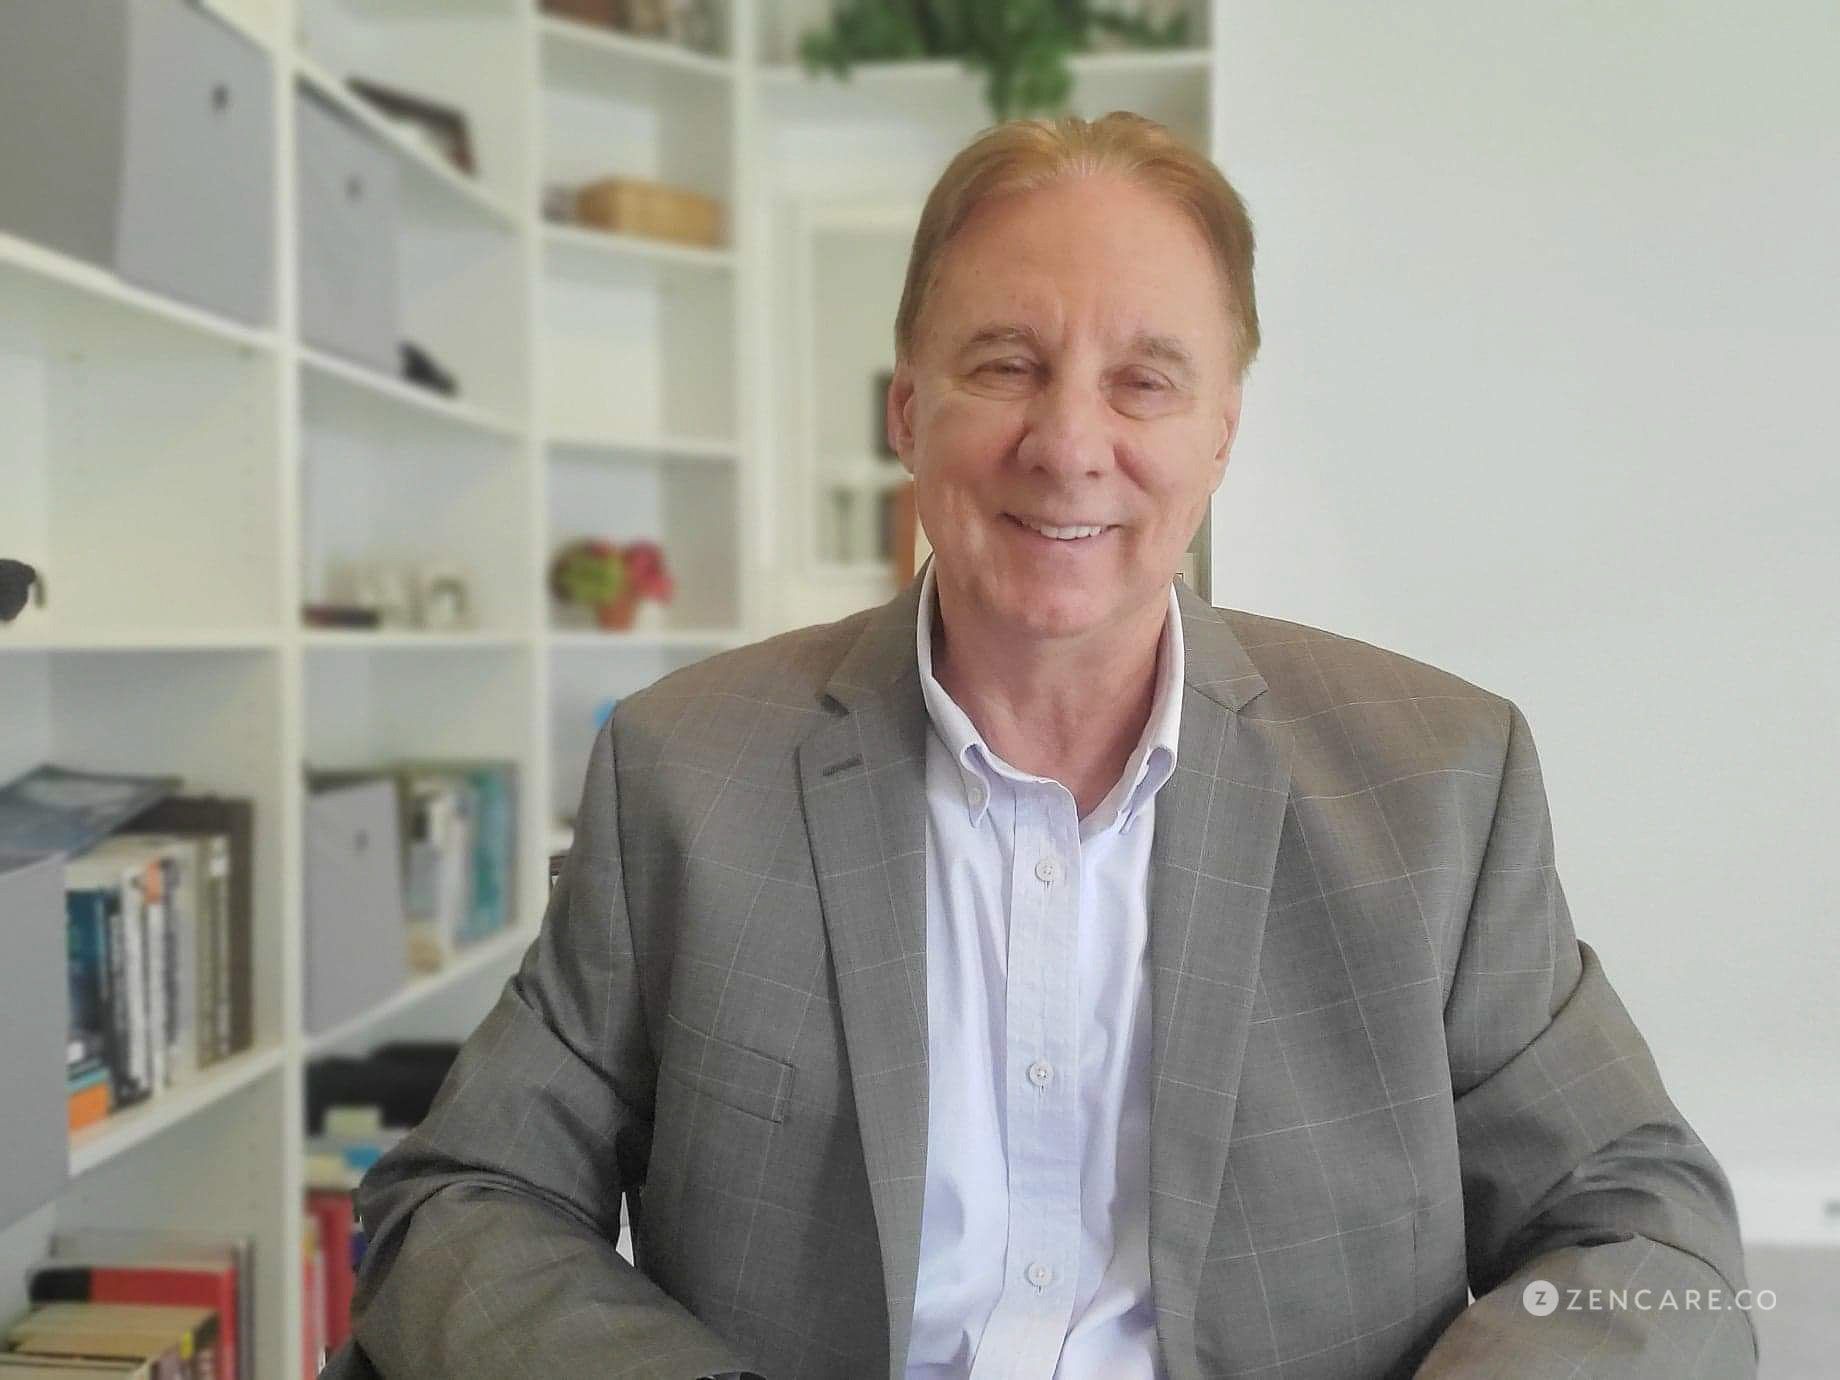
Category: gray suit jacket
<point>1386,1072</point>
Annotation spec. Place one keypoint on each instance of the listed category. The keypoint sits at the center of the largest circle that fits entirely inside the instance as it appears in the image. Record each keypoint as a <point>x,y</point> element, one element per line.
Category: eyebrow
<point>1165,348</point>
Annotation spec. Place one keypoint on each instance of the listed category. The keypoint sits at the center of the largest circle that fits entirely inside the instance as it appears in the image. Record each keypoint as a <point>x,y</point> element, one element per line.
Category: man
<point>1047,974</point>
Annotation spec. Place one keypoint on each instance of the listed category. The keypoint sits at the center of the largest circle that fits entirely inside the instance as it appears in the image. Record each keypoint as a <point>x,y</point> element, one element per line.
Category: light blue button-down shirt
<point>1034,1238</point>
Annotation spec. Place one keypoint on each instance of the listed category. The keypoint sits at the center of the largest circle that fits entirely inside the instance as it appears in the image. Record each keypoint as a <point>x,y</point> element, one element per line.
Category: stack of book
<point>158,927</point>
<point>159,932</point>
<point>161,1305</point>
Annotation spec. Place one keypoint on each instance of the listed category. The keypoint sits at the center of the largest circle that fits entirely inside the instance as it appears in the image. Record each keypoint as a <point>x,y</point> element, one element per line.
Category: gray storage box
<point>356,941</point>
<point>139,135</point>
<point>34,1028</point>
<point>349,200</point>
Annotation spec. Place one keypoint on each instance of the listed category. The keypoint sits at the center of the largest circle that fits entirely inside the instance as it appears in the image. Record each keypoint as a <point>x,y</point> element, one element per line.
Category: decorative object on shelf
<point>442,129</point>
<point>607,14</point>
<point>17,581</point>
<point>619,585</point>
<point>338,616</point>
<point>421,368</point>
<point>558,205</point>
<point>395,594</point>
<point>697,25</point>
<point>444,598</point>
<point>636,206</point>
<point>878,424</point>
<point>1022,46</point>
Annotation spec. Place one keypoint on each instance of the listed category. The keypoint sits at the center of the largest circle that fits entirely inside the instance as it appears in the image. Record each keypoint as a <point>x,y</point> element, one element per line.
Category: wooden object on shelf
<point>636,206</point>
<point>608,14</point>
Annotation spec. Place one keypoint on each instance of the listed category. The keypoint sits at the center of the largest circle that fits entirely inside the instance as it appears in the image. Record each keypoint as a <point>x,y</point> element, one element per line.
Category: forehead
<point>1089,252</point>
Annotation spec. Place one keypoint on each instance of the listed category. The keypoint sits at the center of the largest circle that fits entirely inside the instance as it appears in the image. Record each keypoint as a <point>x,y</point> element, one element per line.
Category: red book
<point>333,1212</point>
<point>185,1284</point>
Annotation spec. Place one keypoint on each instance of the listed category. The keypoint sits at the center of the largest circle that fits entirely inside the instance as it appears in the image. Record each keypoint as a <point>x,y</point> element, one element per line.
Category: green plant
<point>1021,46</point>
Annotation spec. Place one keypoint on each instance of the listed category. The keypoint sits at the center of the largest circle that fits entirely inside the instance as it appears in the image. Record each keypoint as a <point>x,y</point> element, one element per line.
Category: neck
<point>1045,707</point>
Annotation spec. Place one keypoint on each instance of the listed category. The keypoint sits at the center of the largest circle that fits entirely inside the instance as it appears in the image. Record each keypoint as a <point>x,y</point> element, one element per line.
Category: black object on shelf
<point>399,1079</point>
<point>16,581</point>
<point>419,367</point>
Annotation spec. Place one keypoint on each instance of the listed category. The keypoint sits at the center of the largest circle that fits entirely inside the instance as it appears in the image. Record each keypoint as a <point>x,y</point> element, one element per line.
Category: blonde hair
<point>1022,155</point>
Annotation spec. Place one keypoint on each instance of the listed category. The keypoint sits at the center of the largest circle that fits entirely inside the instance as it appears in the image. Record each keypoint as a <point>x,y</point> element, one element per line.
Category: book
<point>313,1298</point>
<point>333,1211</point>
<point>231,1253</point>
<point>170,1282</point>
<point>226,825</point>
<point>180,1341</point>
<point>17,1366</point>
<point>111,883</point>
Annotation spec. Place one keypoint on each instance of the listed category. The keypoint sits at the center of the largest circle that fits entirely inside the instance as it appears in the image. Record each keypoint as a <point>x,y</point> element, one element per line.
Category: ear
<point>898,415</point>
<point>1229,432</point>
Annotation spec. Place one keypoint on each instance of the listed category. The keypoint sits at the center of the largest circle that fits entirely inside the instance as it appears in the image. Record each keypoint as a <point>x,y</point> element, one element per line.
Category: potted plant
<point>1022,46</point>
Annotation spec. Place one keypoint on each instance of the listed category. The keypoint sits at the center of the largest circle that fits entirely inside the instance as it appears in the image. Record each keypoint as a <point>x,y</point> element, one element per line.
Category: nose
<point>1068,432</point>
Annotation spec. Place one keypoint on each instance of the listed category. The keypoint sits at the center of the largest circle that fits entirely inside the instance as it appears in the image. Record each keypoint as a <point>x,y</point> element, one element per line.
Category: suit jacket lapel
<point>863,777</point>
<point>1217,826</point>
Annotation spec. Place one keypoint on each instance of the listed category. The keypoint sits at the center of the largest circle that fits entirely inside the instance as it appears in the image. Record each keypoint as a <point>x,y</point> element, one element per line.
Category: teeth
<point>1061,533</point>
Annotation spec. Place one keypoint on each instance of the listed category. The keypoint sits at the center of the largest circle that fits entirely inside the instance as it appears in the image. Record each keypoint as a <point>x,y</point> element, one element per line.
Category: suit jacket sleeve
<point>1577,1168</point>
<point>493,1225</point>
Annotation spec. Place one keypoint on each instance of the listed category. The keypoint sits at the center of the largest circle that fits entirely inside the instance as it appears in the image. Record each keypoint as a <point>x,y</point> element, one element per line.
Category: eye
<point>1007,368</point>
<point>1146,383</point>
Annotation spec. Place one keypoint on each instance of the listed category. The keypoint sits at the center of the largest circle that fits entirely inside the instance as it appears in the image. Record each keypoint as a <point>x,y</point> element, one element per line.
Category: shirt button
<point>1041,1073</point>
<point>1049,870</point>
<point>1040,1275</point>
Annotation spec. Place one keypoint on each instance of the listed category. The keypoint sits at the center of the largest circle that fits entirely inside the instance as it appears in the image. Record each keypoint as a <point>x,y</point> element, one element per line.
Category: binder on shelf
<point>34,1030</point>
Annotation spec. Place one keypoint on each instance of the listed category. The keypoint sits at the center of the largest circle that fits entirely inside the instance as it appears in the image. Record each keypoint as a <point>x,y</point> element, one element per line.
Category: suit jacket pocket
<point>744,1079</point>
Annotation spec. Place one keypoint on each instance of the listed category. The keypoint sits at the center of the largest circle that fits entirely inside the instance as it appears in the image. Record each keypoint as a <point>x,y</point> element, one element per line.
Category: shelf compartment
<point>208,717</point>
<point>638,355</point>
<point>332,386</point>
<point>424,496</point>
<point>605,113</point>
<point>143,469</point>
<point>691,511</point>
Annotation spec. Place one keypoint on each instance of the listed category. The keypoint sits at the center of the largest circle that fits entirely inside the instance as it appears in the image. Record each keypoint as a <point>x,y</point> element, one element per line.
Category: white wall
<point>1550,294</point>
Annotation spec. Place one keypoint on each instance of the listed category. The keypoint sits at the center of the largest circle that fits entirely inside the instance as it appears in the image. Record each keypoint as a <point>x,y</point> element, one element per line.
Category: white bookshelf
<point>187,483</point>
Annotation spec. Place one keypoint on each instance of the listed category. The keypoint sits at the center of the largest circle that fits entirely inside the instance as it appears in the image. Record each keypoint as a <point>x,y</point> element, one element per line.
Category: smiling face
<point>1068,408</point>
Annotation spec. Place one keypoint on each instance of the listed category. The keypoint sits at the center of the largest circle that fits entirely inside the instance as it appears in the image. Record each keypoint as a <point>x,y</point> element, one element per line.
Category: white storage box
<point>34,1024</point>
<point>349,202</point>
<point>139,135</point>
<point>357,947</point>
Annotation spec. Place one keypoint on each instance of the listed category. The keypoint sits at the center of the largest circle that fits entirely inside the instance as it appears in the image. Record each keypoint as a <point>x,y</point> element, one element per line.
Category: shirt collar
<point>1152,761</point>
